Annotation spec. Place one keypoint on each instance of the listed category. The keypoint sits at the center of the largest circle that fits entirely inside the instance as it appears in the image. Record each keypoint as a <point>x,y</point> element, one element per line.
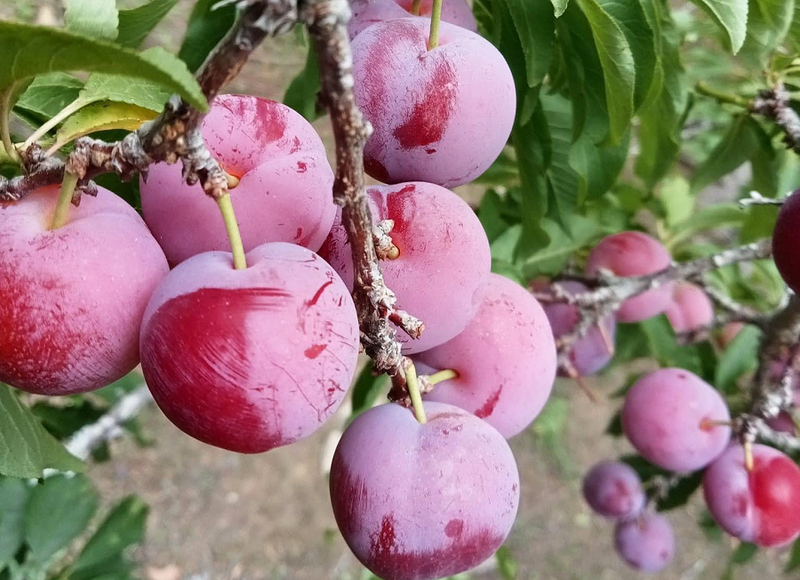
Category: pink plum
<point>646,543</point>
<point>614,490</point>
<point>505,359</point>
<point>73,298</point>
<point>633,254</point>
<point>285,188</point>
<point>441,115</point>
<point>691,308</point>
<point>422,501</point>
<point>368,12</point>
<point>252,359</point>
<point>444,257</point>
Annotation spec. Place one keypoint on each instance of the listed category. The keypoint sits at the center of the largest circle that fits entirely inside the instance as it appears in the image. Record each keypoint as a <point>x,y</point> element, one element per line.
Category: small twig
<point>720,96</point>
<point>756,198</point>
<point>109,426</point>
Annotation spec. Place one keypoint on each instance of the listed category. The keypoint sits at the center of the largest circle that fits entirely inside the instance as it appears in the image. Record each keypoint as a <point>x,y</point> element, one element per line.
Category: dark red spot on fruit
<point>430,151</point>
<point>383,542</point>
<point>454,528</point>
<point>314,351</point>
<point>488,407</point>
<point>301,167</point>
<point>430,116</point>
<point>295,145</point>
<point>315,298</point>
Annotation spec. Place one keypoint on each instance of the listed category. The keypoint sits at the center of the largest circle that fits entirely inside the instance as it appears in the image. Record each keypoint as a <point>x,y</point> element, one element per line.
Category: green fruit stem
<point>436,18</point>
<point>234,235</point>
<point>441,376</point>
<point>5,131</point>
<point>61,215</point>
<point>413,391</point>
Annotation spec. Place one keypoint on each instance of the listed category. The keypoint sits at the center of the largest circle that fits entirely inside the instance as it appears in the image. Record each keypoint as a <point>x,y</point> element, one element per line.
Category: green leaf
<point>597,166</point>
<point>34,50</point>
<point>366,390</point>
<point>102,117</point>
<point>794,559</point>
<point>206,28</point>
<point>619,71</point>
<point>302,93</point>
<point>559,6</point>
<point>665,349</point>
<point>66,417</point>
<point>57,512</point>
<point>736,147</point>
<point>137,23</point>
<point>680,494</point>
<point>676,199</point>
<point>715,216</point>
<point>122,528</point>
<point>49,93</point>
<point>768,21</point>
<point>632,21</point>
<point>506,563</point>
<point>565,182</point>
<point>552,258</point>
<point>740,357</point>
<point>26,448</point>
<point>93,18</point>
<point>744,553</point>
<point>13,497</point>
<point>731,16</point>
<point>535,26</point>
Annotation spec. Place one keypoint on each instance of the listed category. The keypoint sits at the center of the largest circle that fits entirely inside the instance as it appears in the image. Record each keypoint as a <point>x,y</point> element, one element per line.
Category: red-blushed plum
<point>674,419</point>
<point>285,188</point>
<point>441,115</point>
<point>252,359</point>
<point>646,543</point>
<point>73,298</point>
<point>505,359</point>
<point>691,308</point>
<point>591,353</point>
<point>762,506</point>
<point>444,257</point>
<point>614,490</point>
<point>629,254</point>
<point>785,244</point>
<point>422,501</point>
<point>369,12</point>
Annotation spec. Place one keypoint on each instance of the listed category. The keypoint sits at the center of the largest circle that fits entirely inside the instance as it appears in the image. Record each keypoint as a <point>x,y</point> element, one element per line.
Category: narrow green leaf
<point>94,18</point>
<point>120,89</point>
<point>711,217</point>
<point>34,50</point>
<point>768,22</point>
<point>559,6</point>
<point>740,357</point>
<point>366,390</point>
<point>49,93</point>
<point>506,563</point>
<point>565,182</point>
<point>794,559</point>
<point>736,147</point>
<point>663,346</point>
<point>535,26</point>
<point>103,116</point>
<point>206,28</point>
<point>302,93</point>
<point>619,70</point>
<point>137,23</point>
<point>59,509</point>
<point>13,497</point>
<point>122,528</point>
<point>26,449</point>
<point>731,16</point>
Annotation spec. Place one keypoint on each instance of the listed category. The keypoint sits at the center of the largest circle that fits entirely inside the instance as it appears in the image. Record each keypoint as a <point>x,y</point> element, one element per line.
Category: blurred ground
<point>220,516</point>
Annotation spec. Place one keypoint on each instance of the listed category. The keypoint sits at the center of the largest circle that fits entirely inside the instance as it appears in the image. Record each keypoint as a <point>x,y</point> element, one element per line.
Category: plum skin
<point>691,308</point>
<point>505,359</point>
<point>613,490</point>
<point>73,298</point>
<point>763,506</point>
<point>284,193</point>
<point>444,257</point>
<point>589,354</point>
<point>441,115</point>
<point>369,12</point>
<point>416,502</point>
<point>646,543</point>
<point>629,254</point>
<point>249,360</point>
<point>666,416</point>
<point>785,250</point>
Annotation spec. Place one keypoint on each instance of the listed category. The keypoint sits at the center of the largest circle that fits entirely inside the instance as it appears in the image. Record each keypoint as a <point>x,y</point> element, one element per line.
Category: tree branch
<point>774,104</point>
<point>375,302</point>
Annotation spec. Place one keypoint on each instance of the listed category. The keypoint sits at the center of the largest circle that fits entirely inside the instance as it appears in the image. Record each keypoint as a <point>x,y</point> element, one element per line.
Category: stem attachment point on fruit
<point>413,391</point>
<point>232,180</point>
<point>234,235</point>
<point>61,215</point>
<point>436,18</point>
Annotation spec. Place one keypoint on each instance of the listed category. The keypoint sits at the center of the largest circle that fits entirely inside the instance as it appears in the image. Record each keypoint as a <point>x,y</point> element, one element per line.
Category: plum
<point>368,12</point>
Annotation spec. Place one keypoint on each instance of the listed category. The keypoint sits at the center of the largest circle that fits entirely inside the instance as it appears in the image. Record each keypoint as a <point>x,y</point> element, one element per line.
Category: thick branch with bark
<point>774,104</point>
<point>375,302</point>
<point>606,293</point>
<point>175,134</point>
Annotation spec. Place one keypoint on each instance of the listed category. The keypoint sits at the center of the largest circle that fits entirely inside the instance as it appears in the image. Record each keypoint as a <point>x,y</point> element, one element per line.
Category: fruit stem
<point>5,131</point>
<point>436,18</point>
<point>415,7</point>
<point>234,235</point>
<point>73,107</point>
<point>232,180</point>
<point>444,375</point>
<point>61,215</point>
<point>748,456</point>
<point>413,391</point>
